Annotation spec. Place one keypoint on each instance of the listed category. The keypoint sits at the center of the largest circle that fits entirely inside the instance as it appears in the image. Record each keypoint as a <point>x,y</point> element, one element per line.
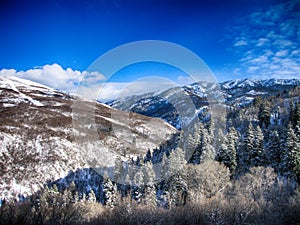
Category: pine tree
<point>72,189</point>
<point>149,182</point>
<point>296,115</point>
<point>227,152</point>
<point>150,197</point>
<point>274,150</point>
<point>176,183</point>
<point>163,172</point>
<point>83,198</point>
<point>257,157</point>
<point>119,171</point>
<point>292,154</point>
<point>194,144</point>
<point>264,114</point>
<point>111,195</point>
<point>92,196</point>
<point>208,152</point>
<point>137,186</point>
<point>247,146</point>
<point>149,174</point>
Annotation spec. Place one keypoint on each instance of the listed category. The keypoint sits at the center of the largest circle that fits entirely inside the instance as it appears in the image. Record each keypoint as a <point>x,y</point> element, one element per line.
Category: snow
<point>7,105</point>
<point>252,92</point>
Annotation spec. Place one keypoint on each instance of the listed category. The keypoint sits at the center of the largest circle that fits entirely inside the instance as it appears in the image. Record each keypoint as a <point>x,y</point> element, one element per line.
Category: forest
<point>248,173</point>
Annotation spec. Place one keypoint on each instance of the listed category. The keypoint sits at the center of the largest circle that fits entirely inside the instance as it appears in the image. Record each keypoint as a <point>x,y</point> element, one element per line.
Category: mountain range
<point>204,95</point>
<point>49,136</point>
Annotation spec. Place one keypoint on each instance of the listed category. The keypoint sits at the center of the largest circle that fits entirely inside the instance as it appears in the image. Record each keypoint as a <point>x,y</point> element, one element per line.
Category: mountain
<point>46,135</point>
<point>202,97</point>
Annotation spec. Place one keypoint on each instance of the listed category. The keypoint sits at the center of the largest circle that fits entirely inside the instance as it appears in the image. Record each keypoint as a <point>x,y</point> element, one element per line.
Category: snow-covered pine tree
<point>291,163</point>
<point>228,149</point>
<point>138,185</point>
<point>163,172</point>
<point>67,197</point>
<point>264,114</point>
<point>257,154</point>
<point>83,198</point>
<point>274,152</point>
<point>150,189</point>
<point>176,183</point>
<point>150,197</point>
<point>119,171</point>
<point>149,174</point>
<point>208,151</point>
<point>110,193</point>
<point>194,149</point>
<point>246,148</point>
<point>92,196</point>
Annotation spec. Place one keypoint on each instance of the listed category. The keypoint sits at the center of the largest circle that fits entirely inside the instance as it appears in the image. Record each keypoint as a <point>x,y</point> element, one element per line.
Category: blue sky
<point>235,38</point>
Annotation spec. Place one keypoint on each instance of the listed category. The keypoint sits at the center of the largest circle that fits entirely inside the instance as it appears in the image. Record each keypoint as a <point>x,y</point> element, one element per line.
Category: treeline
<point>257,197</point>
<point>245,174</point>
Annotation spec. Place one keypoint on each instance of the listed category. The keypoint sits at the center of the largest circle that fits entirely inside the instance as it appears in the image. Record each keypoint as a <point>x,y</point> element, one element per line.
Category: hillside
<point>46,134</point>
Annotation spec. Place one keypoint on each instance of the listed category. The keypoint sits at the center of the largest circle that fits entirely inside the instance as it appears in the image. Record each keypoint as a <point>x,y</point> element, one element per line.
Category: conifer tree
<point>119,171</point>
<point>194,144</point>
<point>291,162</point>
<point>92,196</point>
<point>149,174</point>
<point>264,114</point>
<point>149,182</point>
<point>176,183</point>
<point>111,195</point>
<point>208,152</point>
<point>137,185</point>
<point>247,147</point>
<point>274,150</point>
<point>227,152</point>
<point>150,197</point>
<point>257,157</point>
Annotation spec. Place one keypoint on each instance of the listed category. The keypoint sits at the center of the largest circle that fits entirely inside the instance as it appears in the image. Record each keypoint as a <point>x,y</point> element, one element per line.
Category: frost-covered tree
<point>257,157</point>
<point>92,196</point>
<point>176,183</point>
<point>150,197</point>
<point>194,149</point>
<point>246,148</point>
<point>111,194</point>
<point>208,152</point>
<point>227,152</point>
<point>137,185</point>
<point>291,163</point>
<point>264,114</point>
<point>274,152</point>
<point>119,171</point>
<point>149,174</point>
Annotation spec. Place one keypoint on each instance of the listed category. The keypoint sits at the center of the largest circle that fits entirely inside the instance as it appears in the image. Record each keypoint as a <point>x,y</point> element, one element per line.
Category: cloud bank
<point>269,42</point>
<point>56,77</point>
<point>91,85</point>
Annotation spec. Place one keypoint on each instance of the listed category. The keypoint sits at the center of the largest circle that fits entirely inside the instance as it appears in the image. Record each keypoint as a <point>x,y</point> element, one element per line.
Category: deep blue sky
<point>236,38</point>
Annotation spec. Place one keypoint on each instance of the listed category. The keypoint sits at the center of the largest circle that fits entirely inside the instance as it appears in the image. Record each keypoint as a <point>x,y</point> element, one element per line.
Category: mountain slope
<point>204,96</point>
<point>45,134</point>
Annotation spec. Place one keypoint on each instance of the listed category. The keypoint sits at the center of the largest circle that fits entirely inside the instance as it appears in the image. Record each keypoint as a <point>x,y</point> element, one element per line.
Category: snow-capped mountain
<point>46,134</point>
<point>204,96</point>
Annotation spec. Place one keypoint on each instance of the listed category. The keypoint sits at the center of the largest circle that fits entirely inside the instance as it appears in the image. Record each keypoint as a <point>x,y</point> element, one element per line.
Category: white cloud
<point>271,41</point>
<point>91,85</point>
<point>56,77</point>
<point>282,53</point>
<point>262,42</point>
<point>240,42</point>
